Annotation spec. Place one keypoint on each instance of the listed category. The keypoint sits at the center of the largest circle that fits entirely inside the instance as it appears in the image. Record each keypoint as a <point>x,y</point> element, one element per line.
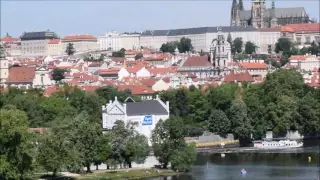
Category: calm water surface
<point>281,165</point>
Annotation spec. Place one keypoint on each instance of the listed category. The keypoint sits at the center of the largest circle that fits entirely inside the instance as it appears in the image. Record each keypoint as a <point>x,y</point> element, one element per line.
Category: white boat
<point>282,144</point>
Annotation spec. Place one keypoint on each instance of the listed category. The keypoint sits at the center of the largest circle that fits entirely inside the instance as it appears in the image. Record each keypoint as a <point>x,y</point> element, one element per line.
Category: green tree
<point>285,45</point>
<point>250,47</point>
<point>58,74</point>
<point>53,152</point>
<point>138,56</point>
<point>168,141</point>
<point>107,93</point>
<point>169,47</point>
<point>183,157</point>
<point>185,45</point>
<point>219,123</point>
<point>70,49</point>
<point>303,51</point>
<point>85,137</point>
<point>229,40</point>
<point>237,45</point>
<point>181,100</point>
<point>127,144</point>
<point>16,145</point>
<point>240,122</point>
<point>120,53</point>
<point>314,48</point>
<point>309,111</point>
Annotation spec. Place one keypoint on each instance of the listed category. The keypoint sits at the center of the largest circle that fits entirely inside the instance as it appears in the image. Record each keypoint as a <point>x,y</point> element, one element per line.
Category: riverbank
<point>127,174</point>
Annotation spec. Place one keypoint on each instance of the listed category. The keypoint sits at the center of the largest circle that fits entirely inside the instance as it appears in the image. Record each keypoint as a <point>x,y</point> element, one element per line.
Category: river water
<point>275,165</point>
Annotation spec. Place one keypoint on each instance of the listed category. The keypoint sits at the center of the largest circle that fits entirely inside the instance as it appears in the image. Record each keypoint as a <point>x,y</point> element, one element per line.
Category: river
<point>276,165</point>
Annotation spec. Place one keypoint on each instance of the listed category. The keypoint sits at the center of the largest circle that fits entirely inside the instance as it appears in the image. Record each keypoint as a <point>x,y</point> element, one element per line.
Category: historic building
<point>146,114</point>
<point>261,17</point>
<point>220,52</point>
<point>36,43</point>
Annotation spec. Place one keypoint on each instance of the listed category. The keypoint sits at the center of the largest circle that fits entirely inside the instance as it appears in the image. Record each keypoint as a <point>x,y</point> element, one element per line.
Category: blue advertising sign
<point>147,120</point>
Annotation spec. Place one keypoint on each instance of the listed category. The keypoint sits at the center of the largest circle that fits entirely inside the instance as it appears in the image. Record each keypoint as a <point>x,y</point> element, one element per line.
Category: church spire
<point>241,5</point>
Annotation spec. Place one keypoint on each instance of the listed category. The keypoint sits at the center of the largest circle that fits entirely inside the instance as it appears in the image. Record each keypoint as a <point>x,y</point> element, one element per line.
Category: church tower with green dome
<point>4,68</point>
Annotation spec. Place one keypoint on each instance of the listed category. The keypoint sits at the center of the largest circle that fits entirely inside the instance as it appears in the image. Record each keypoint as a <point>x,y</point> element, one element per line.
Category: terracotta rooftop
<point>8,39</point>
<point>199,61</point>
<point>21,74</point>
<point>300,57</point>
<point>238,77</point>
<point>309,27</point>
<point>79,37</point>
<point>253,65</point>
<point>136,89</point>
<point>162,70</point>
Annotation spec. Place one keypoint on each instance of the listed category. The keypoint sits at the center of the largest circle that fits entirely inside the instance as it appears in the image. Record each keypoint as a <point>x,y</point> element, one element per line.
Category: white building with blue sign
<point>145,113</point>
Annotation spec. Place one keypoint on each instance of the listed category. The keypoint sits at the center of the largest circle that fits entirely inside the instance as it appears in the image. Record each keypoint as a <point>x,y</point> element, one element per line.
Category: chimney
<point>157,97</point>
<point>116,98</point>
<point>167,103</point>
<point>103,107</point>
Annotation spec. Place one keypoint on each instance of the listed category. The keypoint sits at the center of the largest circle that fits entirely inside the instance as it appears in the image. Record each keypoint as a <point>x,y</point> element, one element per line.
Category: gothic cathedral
<point>261,17</point>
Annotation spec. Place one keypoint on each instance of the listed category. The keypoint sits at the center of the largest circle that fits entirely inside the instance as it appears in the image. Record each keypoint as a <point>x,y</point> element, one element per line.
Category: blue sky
<point>97,17</point>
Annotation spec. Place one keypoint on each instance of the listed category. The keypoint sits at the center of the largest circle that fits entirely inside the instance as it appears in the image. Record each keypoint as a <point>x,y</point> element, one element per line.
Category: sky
<point>97,17</point>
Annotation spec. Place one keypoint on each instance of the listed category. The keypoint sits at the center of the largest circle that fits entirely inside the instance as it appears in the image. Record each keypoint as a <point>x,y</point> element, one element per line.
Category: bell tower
<point>257,13</point>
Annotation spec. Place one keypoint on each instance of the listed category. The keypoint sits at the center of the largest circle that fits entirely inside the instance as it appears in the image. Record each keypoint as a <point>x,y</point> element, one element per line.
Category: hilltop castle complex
<point>261,17</point>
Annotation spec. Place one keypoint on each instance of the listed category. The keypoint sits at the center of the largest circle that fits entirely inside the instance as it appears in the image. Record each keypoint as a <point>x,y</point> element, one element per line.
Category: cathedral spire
<point>241,5</point>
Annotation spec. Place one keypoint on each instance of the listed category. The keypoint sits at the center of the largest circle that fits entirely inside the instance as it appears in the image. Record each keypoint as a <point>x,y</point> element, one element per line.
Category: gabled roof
<point>150,107</point>
<point>238,77</point>
<point>197,61</point>
<point>21,74</point>
<point>254,65</point>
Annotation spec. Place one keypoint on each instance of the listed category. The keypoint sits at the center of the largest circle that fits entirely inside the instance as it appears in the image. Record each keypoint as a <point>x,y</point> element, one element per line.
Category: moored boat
<point>282,144</point>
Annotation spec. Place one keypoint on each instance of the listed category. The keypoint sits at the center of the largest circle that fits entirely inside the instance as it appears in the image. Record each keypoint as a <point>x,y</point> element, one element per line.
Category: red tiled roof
<point>157,57</point>
<point>54,41</point>
<point>8,39</point>
<point>197,61</point>
<point>162,70</point>
<point>108,71</point>
<point>78,37</point>
<point>300,57</point>
<point>238,77</point>
<point>135,69</point>
<point>309,27</point>
<point>136,89</point>
<point>21,74</point>
<point>148,82</point>
<point>254,65</point>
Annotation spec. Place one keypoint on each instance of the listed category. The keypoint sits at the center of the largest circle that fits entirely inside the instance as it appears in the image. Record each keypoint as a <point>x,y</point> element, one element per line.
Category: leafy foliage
<point>58,74</point>
<point>184,45</point>
<point>16,145</point>
<point>250,47</point>
<point>70,49</point>
<point>169,146</point>
<point>237,45</point>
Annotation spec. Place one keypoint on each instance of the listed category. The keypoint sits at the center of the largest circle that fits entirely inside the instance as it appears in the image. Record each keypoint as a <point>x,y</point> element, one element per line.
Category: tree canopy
<point>70,49</point>
<point>250,47</point>
<point>184,45</point>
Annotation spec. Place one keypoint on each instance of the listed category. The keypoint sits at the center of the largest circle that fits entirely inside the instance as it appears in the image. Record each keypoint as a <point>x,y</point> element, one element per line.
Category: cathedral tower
<point>274,20</point>
<point>257,13</point>
<point>235,14</point>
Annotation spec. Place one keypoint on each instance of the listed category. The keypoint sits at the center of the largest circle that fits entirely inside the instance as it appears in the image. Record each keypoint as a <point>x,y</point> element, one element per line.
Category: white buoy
<point>223,155</point>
